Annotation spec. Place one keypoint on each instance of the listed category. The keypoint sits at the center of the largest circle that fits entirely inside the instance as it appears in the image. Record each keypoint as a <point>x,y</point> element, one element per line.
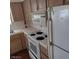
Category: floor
<point>21,55</point>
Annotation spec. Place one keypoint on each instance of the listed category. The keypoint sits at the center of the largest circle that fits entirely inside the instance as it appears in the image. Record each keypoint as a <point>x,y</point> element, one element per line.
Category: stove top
<point>40,38</point>
<point>32,34</point>
<point>38,35</point>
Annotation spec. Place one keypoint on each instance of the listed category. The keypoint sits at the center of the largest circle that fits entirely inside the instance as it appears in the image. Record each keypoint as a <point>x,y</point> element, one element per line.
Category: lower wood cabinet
<point>43,53</point>
<point>25,41</point>
<point>43,56</point>
<point>17,43</point>
<point>44,50</point>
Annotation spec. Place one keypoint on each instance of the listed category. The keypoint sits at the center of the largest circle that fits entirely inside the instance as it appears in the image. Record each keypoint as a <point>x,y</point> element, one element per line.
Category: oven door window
<point>32,56</point>
<point>33,48</point>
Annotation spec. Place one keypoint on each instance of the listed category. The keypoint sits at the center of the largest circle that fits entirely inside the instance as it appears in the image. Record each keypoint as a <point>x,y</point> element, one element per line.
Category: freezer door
<point>60,20</point>
<point>60,54</point>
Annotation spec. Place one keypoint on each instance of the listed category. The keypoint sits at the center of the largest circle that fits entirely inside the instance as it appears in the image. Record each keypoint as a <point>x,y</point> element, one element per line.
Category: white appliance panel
<point>60,54</point>
<point>60,20</point>
<point>39,20</point>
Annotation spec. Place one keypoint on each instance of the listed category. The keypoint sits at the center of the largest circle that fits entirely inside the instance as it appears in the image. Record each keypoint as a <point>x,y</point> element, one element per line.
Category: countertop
<point>31,29</point>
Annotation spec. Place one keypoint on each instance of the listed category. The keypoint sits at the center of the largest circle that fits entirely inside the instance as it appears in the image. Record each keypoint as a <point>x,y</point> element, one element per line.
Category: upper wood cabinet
<point>41,5</point>
<point>55,2</point>
<point>17,11</point>
<point>33,5</point>
<point>38,5</point>
<point>27,12</point>
<point>66,2</point>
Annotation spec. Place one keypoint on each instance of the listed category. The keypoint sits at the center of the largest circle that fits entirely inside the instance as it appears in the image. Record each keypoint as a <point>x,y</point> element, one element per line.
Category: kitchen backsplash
<point>17,25</point>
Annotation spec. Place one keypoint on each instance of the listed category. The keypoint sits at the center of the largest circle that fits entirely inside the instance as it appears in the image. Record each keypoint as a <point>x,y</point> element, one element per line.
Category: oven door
<point>34,48</point>
<point>31,55</point>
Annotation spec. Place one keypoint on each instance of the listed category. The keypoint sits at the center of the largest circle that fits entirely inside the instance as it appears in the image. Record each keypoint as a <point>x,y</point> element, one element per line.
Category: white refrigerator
<point>58,32</point>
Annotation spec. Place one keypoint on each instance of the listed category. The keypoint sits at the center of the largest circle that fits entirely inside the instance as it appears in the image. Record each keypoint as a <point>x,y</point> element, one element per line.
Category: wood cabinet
<point>33,5</point>
<point>41,5</point>
<point>43,52</point>
<point>17,43</point>
<point>55,2</point>
<point>26,41</point>
<point>43,56</point>
<point>17,11</point>
<point>66,2</point>
<point>27,12</point>
<point>38,5</point>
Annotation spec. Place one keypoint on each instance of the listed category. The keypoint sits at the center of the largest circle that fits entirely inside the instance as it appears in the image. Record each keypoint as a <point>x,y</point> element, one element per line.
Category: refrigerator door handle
<point>50,40</point>
<point>50,25</point>
<point>50,35</point>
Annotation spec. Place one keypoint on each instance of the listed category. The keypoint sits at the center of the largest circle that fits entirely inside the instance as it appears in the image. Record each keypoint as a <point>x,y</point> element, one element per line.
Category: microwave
<point>39,20</point>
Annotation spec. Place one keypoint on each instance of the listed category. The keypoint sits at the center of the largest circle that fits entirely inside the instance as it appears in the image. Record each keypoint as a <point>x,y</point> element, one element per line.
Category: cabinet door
<point>42,5</point>
<point>67,2</point>
<point>43,56</point>
<point>23,40</point>
<point>55,2</point>
<point>26,40</point>
<point>15,43</point>
<point>17,11</point>
<point>33,5</point>
<point>19,45</point>
<point>44,50</point>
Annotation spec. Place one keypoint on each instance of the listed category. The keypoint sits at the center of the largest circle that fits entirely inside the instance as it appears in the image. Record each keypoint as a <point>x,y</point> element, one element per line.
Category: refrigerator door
<point>60,20</point>
<point>60,54</point>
